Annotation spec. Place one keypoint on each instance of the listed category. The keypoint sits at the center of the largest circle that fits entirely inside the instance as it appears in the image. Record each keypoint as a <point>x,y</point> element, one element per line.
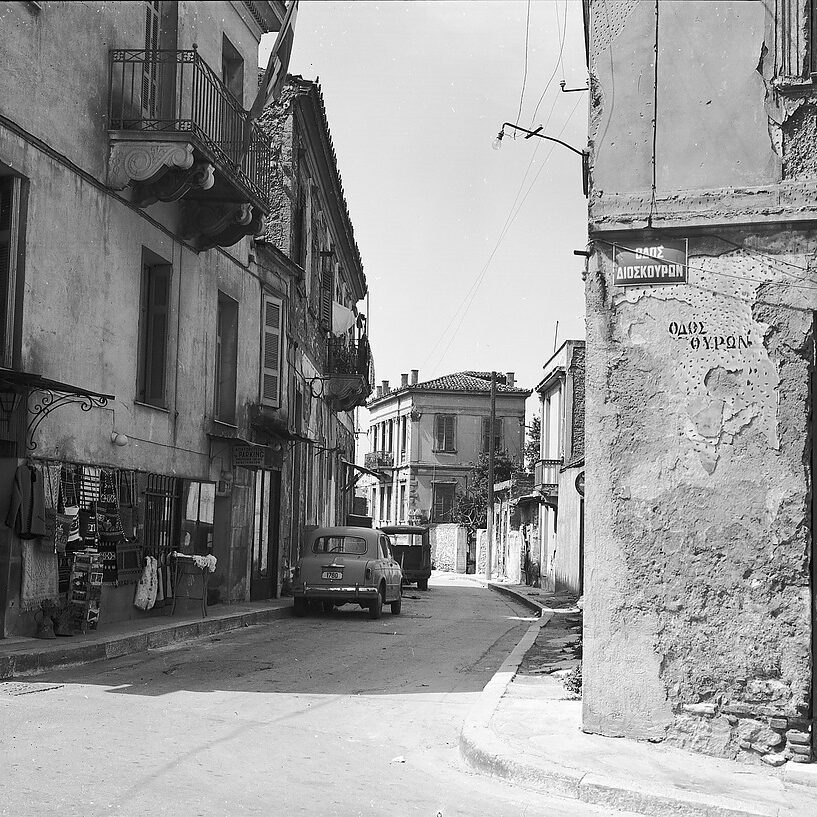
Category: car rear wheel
<point>299,606</point>
<point>422,584</point>
<point>376,607</point>
<point>396,606</point>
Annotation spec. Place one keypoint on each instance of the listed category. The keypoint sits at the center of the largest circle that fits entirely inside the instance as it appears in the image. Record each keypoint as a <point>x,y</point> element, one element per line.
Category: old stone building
<point>424,437</point>
<point>701,295</point>
<point>161,370</point>
<point>559,472</point>
<point>328,364</point>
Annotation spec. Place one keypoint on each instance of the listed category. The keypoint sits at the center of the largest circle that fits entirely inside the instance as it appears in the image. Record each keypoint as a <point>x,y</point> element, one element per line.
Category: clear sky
<point>415,93</point>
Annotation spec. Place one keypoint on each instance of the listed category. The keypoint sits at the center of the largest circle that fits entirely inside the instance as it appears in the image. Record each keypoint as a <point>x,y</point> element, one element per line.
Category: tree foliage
<point>471,508</point>
<point>532,445</point>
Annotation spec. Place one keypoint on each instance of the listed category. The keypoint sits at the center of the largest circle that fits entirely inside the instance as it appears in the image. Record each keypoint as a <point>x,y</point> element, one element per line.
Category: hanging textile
<point>109,524</point>
<point>51,482</point>
<point>39,575</point>
<point>26,513</point>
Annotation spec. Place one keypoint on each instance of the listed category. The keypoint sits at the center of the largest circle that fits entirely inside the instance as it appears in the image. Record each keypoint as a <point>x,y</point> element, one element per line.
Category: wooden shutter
<point>271,351</point>
<point>439,432</point>
<point>327,289</point>
<point>157,301</point>
<point>6,242</point>
<point>150,67</point>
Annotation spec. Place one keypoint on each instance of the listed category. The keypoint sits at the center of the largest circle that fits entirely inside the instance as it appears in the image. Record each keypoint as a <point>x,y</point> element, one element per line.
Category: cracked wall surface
<point>697,451</point>
<point>698,438</point>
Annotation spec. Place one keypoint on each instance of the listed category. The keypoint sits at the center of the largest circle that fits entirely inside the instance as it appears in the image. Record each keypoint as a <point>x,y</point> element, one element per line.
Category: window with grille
<point>153,330</point>
<point>271,350</point>
<point>486,435</point>
<point>445,432</point>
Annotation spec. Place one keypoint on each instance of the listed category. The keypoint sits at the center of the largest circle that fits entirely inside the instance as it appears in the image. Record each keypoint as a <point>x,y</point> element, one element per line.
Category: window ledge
<point>797,86</point>
<point>443,450</point>
<point>163,409</point>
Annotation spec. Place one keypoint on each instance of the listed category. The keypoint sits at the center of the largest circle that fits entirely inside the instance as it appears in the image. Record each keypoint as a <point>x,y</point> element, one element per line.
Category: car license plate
<point>332,574</point>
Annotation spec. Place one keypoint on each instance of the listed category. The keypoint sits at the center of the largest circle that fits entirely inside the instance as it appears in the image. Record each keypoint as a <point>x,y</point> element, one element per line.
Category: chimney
<point>403,380</point>
<point>509,379</point>
<point>379,391</point>
<point>385,387</point>
<point>415,373</point>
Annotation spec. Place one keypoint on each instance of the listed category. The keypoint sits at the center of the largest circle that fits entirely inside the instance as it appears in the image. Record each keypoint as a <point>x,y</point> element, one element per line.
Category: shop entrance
<point>266,535</point>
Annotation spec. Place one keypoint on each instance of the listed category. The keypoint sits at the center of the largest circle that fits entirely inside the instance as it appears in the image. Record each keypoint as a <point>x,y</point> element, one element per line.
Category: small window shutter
<point>327,289</point>
<point>449,433</point>
<point>158,301</point>
<point>439,432</point>
<point>6,221</point>
<point>486,434</point>
<point>149,66</point>
<point>271,352</point>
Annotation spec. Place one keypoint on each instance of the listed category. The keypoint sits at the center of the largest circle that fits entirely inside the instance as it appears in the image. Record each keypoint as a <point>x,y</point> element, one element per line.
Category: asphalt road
<point>327,715</point>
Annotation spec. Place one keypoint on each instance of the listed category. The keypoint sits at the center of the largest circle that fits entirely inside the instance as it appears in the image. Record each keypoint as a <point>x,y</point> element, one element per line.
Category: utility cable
<point>472,293</point>
<point>525,73</point>
<point>555,67</point>
<point>654,119</point>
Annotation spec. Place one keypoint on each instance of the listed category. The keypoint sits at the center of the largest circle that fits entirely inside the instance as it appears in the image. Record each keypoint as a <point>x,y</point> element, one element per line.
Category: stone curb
<point>32,662</point>
<point>530,603</point>
<point>483,750</point>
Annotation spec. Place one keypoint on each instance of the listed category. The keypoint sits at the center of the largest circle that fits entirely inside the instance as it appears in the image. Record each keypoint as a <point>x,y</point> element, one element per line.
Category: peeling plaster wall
<point>697,558</point>
<point>698,435</point>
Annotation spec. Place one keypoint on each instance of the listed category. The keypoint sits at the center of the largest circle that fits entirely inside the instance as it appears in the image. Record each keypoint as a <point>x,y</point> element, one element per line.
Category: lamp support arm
<point>542,136</point>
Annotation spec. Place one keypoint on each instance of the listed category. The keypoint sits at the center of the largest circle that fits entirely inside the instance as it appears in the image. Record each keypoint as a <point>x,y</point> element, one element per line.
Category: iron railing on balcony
<point>345,357</point>
<point>379,459</point>
<point>547,473</point>
<point>175,91</point>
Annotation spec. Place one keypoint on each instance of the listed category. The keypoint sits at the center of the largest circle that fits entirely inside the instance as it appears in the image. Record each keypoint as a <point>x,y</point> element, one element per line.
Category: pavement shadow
<point>448,639</point>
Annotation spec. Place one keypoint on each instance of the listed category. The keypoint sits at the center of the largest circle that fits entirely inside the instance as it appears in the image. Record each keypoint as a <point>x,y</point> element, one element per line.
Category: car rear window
<point>407,539</point>
<point>353,545</point>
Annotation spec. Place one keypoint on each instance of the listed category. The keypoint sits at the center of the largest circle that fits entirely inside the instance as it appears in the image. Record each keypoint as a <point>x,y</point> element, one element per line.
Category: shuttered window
<point>9,228</point>
<point>486,435</point>
<point>443,502</point>
<point>272,319</point>
<point>327,289</point>
<point>150,67</point>
<point>226,358</point>
<point>154,315</point>
<point>445,433</point>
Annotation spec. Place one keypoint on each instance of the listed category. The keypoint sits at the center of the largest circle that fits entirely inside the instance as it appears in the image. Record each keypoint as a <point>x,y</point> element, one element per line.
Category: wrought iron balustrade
<point>176,92</point>
<point>547,473</point>
<point>379,459</point>
<point>351,358</point>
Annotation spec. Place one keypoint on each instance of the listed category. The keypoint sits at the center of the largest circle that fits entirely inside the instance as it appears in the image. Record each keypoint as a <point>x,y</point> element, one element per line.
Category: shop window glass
<point>199,500</point>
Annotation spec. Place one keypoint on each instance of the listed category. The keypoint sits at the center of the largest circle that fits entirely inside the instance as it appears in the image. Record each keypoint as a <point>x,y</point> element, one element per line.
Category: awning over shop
<point>12,380</point>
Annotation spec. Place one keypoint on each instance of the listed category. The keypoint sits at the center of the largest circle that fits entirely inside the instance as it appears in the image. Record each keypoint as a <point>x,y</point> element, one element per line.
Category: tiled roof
<point>468,381</point>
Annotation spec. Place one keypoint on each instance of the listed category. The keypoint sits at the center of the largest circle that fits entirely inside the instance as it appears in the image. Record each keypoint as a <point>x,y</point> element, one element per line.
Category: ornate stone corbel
<point>136,161</point>
<point>220,223</point>
<point>174,184</point>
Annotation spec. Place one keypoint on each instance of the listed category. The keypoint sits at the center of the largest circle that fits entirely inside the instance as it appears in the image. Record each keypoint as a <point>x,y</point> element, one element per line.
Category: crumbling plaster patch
<point>730,545</point>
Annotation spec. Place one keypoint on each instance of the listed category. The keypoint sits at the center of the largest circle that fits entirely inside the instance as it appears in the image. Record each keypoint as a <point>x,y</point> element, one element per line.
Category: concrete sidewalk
<point>29,656</point>
<point>527,729</point>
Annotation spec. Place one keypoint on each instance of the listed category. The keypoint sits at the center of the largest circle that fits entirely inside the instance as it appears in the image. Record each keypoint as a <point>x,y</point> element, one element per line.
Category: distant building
<point>559,473</point>
<point>425,437</point>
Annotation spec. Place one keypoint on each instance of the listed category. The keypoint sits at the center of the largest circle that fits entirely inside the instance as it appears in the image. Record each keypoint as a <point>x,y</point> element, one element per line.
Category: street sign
<point>651,264</point>
<point>579,483</point>
<point>256,456</point>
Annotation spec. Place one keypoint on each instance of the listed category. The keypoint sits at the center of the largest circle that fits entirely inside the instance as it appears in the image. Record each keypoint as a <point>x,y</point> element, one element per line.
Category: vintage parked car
<point>347,565</point>
<point>411,546</point>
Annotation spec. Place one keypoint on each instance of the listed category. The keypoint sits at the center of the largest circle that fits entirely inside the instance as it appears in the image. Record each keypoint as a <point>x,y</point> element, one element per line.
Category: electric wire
<point>555,67</point>
<point>472,293</point>
<point>525,73</point>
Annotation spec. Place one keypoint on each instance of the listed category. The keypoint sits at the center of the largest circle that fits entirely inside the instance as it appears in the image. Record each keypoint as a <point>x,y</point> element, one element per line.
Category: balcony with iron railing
<point>350,373</point>
<point>379,459</point>
<point>546,475</point>
<point>178,133</point>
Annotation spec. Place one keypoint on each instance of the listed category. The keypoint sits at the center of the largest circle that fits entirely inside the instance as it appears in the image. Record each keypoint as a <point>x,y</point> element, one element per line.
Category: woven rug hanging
<point>109,525</point>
